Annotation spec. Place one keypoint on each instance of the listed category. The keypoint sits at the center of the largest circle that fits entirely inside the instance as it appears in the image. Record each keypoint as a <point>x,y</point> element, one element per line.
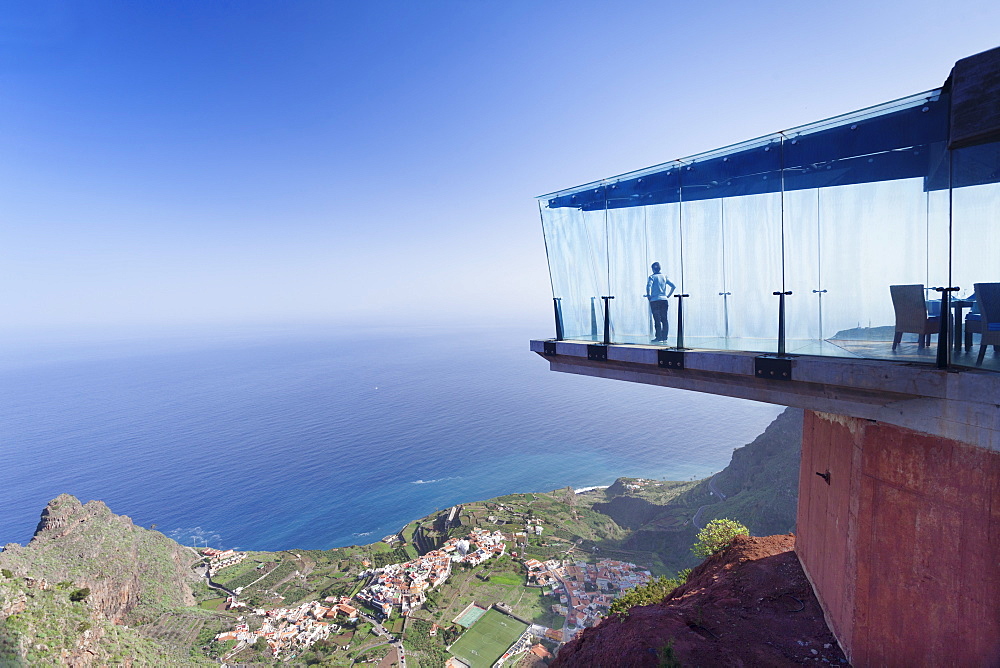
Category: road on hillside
<point>712,488</point>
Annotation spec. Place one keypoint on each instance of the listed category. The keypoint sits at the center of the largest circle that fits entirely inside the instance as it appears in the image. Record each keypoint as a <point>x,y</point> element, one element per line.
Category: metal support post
<point>819,294</point>
<point>680,320</point>
<point>944,336</point>
<point>725,311</point>
<point>557,306</point>
<point>607,320</point>
<point>781,319</point>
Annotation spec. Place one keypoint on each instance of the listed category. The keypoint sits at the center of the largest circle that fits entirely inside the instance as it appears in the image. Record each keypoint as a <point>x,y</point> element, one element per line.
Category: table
<point>957,306</point>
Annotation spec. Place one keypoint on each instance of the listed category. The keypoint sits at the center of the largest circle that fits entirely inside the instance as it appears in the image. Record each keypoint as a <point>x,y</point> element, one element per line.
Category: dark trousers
<point>659,310</point>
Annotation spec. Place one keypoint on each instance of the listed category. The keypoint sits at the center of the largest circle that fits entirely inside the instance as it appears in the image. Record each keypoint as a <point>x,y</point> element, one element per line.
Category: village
<point>585,591</point>
<point>287,628</point>
<point>405,585</point>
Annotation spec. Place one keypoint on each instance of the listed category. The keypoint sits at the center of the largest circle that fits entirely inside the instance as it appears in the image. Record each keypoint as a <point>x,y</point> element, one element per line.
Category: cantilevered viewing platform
<point>849,267</point>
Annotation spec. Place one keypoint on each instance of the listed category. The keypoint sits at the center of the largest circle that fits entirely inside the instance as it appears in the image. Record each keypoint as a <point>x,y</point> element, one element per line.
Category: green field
<point>487,639</point>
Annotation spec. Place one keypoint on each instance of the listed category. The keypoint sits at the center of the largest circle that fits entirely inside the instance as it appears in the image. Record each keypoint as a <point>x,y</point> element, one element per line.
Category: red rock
<point>749,605</point>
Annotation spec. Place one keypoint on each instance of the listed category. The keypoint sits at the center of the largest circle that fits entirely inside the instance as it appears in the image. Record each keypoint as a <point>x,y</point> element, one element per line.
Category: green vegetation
<point>717,535</point>
<point>429,650</point>
<point>55,625</point>
<point>78,595</point>
<point>211,604</point>
<point>654,592</point>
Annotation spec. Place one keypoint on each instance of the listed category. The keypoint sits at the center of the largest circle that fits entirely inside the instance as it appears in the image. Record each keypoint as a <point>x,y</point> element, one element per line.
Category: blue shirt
<point>656,287</point>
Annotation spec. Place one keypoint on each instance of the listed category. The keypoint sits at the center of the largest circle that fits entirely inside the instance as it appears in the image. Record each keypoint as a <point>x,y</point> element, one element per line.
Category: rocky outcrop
<point>65,595</point>
<point>131,572</point>
<point>749,605</point>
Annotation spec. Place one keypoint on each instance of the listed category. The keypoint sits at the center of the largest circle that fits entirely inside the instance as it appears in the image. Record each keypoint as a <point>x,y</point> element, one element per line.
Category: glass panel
<point>576,246</point>
<point>752,229</point>
<point>976,251</point>
<point>628,265</point>
<point>731,221</point>
<point>873,235</point>
<point>704,276</point>
<point>802,263</point>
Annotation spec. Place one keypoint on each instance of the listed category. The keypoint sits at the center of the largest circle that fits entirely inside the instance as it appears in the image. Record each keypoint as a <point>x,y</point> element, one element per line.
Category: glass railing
<point>841,231</point>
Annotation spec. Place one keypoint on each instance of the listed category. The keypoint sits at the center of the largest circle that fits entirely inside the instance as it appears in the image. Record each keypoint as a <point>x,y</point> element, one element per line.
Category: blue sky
<point>186,163</point>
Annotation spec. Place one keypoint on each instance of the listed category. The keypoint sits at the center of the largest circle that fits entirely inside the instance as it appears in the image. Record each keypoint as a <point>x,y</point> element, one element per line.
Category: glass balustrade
<point>850,225</point>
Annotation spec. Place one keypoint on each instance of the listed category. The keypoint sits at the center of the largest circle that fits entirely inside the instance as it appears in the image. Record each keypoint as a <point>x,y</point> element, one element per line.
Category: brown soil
<point>749,605</point>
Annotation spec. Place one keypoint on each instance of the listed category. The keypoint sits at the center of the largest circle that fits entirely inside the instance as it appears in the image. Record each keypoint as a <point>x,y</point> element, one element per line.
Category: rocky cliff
<point>65,596</point>
<point>759,488</point>
<point>761,482</point>
<point>131,572</point>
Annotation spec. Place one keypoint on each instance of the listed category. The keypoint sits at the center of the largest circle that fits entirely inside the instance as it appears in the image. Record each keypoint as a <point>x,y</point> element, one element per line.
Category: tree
<point>717,535</point>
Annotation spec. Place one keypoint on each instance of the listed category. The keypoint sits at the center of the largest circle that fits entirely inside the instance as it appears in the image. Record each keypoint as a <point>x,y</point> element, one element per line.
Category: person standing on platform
<point>659,301</point>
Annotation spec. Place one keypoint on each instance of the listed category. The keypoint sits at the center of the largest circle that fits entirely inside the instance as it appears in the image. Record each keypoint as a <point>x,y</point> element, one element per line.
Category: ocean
<point>319,437</point>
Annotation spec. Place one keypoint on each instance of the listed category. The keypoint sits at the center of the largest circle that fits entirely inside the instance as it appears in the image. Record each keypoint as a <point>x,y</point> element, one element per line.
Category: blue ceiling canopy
<point>902,139</point>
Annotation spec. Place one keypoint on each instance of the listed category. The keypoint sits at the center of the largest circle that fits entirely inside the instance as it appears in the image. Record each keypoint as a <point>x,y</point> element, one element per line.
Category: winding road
<point>715,490</point>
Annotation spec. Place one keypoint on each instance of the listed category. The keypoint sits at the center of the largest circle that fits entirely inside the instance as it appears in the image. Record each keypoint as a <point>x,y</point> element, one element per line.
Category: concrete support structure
<point>900,531</point>
<point>901,542</point>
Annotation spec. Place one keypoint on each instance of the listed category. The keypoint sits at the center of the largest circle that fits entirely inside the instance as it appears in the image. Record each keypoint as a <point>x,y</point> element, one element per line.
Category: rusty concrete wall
<point>902,545</point>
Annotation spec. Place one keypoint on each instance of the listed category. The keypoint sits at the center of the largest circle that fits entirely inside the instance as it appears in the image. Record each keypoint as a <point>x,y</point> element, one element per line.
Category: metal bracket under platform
<point>670,359</point>
<point>599,353</point>
<point>772,367</point>
<point>550,348</point>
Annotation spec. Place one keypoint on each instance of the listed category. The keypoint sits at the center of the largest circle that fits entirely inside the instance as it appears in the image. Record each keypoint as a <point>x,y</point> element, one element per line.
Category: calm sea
<point>320,438</point>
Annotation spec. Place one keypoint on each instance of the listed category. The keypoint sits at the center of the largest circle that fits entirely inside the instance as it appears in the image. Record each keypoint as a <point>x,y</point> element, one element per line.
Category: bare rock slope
<point>749,605</point>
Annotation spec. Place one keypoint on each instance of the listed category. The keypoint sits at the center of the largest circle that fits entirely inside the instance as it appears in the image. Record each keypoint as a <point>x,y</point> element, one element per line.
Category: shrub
<point>647,594</point>
<point>717,535</point>
<point>79,594</point>
<point>7,573</point>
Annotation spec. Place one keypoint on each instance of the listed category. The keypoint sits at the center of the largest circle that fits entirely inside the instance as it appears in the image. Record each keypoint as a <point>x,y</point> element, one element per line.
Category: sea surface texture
<point>319,438</point>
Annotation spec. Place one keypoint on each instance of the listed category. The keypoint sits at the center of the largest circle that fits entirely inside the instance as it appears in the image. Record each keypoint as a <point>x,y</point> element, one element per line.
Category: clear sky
<point>171,162</point>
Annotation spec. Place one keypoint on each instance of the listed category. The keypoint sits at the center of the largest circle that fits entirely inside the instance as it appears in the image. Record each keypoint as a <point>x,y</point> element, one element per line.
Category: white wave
<point>428,482</point>
<point>588,489</point>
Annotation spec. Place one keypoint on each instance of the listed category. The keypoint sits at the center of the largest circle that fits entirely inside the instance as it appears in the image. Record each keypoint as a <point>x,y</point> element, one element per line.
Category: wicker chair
<point>988,301</point>
<point>911,314</point>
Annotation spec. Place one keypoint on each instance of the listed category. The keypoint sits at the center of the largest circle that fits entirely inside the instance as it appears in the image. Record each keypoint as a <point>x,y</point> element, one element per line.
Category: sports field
<point>488,639</point>
<point>469,616</point>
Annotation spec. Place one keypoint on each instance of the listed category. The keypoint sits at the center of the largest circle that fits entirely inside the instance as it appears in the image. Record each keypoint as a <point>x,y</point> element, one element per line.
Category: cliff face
<point>759,488</point>
<point>761,481</point>
<point>131,572</point>
<point>85,571</point>
<point>749,605</point>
